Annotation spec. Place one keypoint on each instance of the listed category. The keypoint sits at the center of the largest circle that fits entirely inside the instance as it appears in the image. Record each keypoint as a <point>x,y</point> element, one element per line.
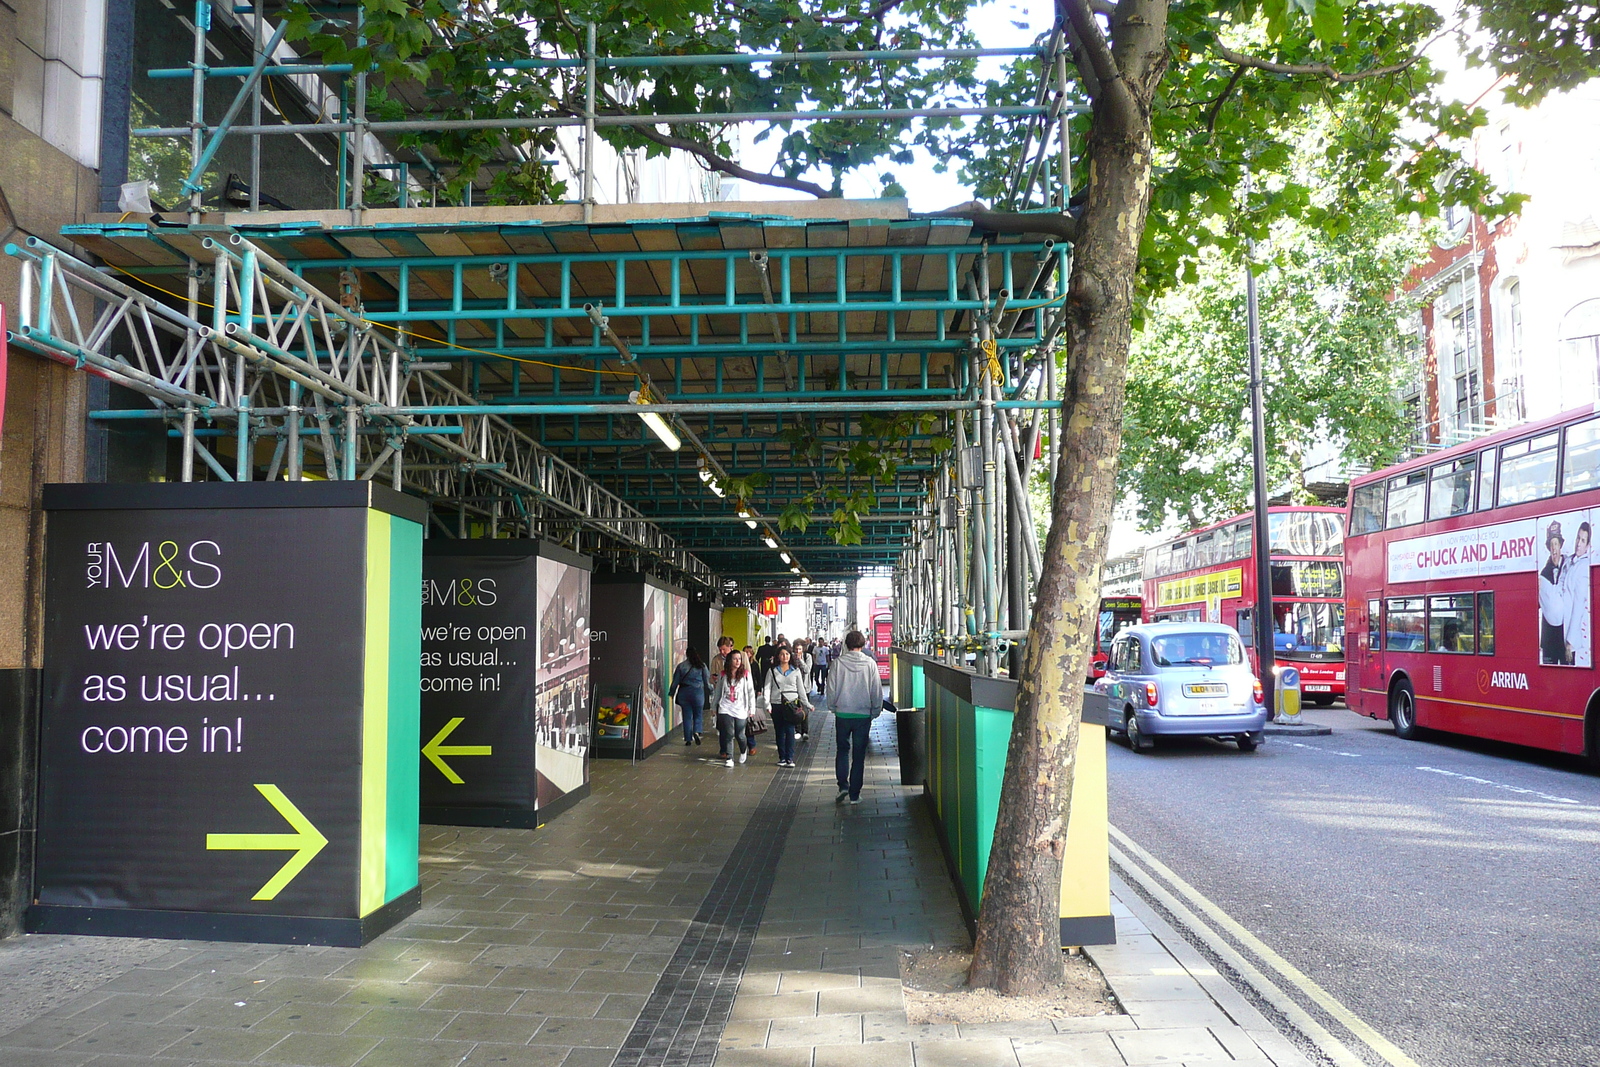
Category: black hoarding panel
<point>479,635</point>
<point>200,681</point>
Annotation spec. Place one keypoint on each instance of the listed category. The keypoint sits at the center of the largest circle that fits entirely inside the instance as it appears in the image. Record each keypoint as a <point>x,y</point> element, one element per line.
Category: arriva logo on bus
<point>1501,680</point>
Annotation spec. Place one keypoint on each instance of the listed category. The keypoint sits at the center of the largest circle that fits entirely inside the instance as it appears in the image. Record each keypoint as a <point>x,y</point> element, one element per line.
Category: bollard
<point>1287,689</point>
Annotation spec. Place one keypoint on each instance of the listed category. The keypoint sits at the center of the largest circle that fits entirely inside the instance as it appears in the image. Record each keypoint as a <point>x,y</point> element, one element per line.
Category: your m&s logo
<point>152,565</point>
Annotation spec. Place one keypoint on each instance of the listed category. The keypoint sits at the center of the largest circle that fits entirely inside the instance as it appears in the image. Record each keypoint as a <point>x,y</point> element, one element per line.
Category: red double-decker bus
<point>1209,574</point>
<point>1440,548</point>
<point>1116,612</point>
<point>881,636</point>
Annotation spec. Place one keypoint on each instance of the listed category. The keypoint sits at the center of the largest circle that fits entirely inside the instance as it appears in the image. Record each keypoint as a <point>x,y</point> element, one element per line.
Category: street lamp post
<point>1265,648</point>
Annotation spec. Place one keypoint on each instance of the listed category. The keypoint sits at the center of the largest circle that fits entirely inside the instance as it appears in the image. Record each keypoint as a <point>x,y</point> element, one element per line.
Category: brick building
<point>1507,323</point>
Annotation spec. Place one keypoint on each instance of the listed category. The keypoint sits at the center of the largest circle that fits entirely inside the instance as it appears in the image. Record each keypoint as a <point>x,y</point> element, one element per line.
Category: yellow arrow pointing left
<point>305,842</point>
<point>437,748</point>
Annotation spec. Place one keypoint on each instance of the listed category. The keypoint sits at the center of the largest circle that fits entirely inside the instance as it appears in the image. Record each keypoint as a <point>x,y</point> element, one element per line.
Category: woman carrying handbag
<point>787,698</point>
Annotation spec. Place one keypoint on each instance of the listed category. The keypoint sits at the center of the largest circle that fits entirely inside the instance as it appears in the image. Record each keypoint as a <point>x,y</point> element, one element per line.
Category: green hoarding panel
<point>405,672</point>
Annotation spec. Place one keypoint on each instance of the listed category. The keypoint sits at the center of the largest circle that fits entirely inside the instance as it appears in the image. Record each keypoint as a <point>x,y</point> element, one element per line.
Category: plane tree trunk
<point>1018,949</point>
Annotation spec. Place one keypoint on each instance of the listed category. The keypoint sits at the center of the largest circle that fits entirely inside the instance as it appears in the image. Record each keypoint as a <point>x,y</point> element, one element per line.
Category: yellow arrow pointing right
<point>437,748</point>
<point>305,842</point>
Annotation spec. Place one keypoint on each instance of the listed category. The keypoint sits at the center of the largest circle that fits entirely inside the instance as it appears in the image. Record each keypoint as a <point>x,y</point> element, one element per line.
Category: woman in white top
<point>785,696</point>
<point>1575,582</point>
<point>734,698</point>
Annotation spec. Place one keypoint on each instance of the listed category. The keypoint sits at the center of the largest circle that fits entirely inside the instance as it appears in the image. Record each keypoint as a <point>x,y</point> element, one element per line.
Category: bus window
<point>1450,491</point>
<point>1242,536</point>
<point>1451,625</point>
<point>1244,622</point>
<point>1204,550</point>
<point>1404,632</point>
<point>1308,578</point>
<point>1486,479</point>
<point>1407,496</point>
<point>1309,627</point>
<point>1485,624</point>
<point>1366,509</point>
<point>1374,632</point>
<point>1581,469</point>
<point>1180,557</point>
<point>1528,470</point>
<point>1306,533</point>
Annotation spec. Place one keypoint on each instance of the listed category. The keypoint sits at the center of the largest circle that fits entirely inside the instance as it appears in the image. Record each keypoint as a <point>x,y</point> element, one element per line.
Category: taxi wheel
<point>1137,741</point>
<point>1403,712</point>
<point>1246,743</point>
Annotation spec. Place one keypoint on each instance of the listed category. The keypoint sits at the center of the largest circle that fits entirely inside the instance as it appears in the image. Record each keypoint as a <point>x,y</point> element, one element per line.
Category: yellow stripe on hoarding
<point>375,718</point>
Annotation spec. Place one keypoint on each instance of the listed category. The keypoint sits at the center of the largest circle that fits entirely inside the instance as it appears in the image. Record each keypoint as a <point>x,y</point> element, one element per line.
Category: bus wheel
<point>1403,711</point>
<point>1323,700</point>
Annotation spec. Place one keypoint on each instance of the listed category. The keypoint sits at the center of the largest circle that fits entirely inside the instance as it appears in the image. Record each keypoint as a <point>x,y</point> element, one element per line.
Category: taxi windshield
<point>1196,650</point>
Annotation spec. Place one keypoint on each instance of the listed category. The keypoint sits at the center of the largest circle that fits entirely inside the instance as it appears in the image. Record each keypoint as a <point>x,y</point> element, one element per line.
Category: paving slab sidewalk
<point>857,884</point>
<point>543,949</point>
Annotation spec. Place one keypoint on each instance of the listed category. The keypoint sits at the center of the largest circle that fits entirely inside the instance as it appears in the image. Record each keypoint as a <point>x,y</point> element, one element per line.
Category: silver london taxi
<point>1187,678</point>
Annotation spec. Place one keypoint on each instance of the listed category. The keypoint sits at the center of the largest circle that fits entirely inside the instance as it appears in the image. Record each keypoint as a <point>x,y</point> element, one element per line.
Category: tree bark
<point>1018,949</point>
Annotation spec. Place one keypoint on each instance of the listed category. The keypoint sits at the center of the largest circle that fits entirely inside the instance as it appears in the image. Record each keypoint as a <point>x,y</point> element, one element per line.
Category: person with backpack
<point>691,683</point>
<point>787,702</point>
<point>734,700</point>
<point>857,700</point>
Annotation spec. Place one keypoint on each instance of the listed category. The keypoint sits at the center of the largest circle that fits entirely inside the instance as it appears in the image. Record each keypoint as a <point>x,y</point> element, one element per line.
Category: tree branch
<point>1315,70</point>
<point>714,161</point>
<point>1063,227</point>
<point>1222,97</point>
<point>1095,48</point>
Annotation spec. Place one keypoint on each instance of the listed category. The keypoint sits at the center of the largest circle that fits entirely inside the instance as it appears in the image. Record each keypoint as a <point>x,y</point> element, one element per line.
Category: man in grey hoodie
<point>857,700</point>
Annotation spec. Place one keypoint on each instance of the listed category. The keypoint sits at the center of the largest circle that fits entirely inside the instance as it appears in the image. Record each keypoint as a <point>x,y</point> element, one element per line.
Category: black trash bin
<point>911,729</point>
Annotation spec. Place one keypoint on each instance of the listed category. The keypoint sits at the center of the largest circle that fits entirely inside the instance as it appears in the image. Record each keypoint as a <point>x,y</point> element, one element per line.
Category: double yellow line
<point>1184,901</point>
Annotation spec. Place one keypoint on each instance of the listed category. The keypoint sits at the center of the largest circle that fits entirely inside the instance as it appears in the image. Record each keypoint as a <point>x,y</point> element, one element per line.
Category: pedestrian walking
<point>803,663</point>
<point>819,665</point>
<point>691,684</point>
<point>787,702</point>
<point>734,699</point>
<point>724,646</point>
<point>857,700</point>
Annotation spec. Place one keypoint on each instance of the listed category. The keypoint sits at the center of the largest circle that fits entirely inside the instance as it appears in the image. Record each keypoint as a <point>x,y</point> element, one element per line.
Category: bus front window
<point>1309,627</point>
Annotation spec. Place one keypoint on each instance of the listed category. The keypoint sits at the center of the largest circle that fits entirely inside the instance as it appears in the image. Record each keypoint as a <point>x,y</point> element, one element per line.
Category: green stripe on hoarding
<point>405,705</point>
<point>375,717</point>
<point>992,737</point>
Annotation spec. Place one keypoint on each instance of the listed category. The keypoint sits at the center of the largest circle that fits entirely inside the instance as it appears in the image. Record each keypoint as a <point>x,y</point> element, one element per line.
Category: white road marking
<point>1499,785</point>
<point>1319,748</point>
<point>1363,1031</point>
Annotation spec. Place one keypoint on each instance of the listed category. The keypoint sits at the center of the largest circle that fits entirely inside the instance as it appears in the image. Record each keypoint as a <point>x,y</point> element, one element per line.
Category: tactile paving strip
<point>682,1022</point>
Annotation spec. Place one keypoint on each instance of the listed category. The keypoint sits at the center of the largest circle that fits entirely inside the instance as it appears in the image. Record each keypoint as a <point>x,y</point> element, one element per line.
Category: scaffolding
<point>503,363</point>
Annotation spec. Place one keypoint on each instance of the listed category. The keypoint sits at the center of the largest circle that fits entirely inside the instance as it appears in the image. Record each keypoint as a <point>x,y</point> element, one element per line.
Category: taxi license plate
<point>1208,689</point>
<point>1314,688</point>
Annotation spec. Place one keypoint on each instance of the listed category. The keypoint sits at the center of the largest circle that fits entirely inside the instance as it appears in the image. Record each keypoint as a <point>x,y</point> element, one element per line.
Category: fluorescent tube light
<point>657,424</point>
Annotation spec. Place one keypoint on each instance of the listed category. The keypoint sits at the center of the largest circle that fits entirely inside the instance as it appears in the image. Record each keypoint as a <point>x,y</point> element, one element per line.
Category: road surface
<point>1445,891</point>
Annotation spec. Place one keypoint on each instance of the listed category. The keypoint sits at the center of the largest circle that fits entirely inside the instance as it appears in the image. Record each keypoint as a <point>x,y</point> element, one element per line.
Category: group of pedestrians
<point>747,691</point>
